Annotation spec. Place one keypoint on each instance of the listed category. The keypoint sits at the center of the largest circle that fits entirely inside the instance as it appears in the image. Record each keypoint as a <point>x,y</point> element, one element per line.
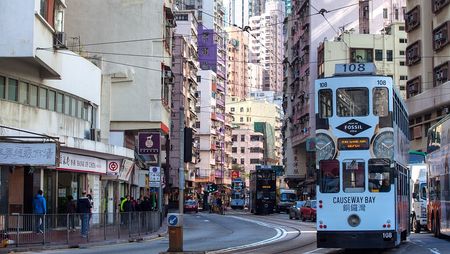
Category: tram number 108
<point>387,235</point>
<point>355,68</point>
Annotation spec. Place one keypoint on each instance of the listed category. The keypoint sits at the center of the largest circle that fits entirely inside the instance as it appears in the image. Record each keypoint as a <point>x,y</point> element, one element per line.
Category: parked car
<point>294,210</point>
<point>308,211</point>
<point>191,205</point>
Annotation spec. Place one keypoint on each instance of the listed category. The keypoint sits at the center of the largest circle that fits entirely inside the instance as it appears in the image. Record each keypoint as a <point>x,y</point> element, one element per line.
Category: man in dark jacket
<point>84,208</point>
<point>39,209</point>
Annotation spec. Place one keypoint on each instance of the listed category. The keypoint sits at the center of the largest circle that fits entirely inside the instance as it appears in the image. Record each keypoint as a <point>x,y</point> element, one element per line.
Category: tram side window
<point>352,102</point>
<point>325,103</point>
<point>329,176</point>
<point>380,101</point>
<point>353,174</point>
<point>380,175</point>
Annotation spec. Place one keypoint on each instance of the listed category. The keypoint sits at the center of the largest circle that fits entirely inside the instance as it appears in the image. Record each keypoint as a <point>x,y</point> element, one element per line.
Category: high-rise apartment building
<point>237,58</point>
<point>266,44</point>
<point>236,12</point>
<point>309,24</point>
<point>427,60</point>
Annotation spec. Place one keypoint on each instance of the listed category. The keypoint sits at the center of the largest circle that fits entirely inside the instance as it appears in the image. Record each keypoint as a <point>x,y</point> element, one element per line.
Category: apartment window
<point>66,105</point>
<point>232,109</point>
<point>51,100</point>
<point>79,109</point>
<point>402,52</point>
<point>242,149</point>
<point>59,102</point>
<point>438,5</point>
<point>241,119</point>
<point>205,51</point>
<point>73,106</point>
<point>402,63</point>
<point>385,13</point>
<point>243,138</point>
<point>378,55</point>
<point>403,77</point>
<point>396,13</point>
<point>361,55</point>
<point>23,92</point>
<point>254,161</point>
<point>413,54</point>
<point>242,161</point>
<point>413,87</point>
<point>389,55</point>
<point>42,97</point>
<point>441,74</point>
<point>234,138</point>
<point>234,149</point>
<point>440,36</point>
<point>402,28</point>
<point>2,87</point>
<point>43,11</point>
<point>33,96</point>
<point>13,89</point>
<point>241,109</point>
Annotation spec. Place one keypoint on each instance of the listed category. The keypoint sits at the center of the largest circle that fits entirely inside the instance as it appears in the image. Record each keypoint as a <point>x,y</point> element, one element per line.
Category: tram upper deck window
<point>353,175</point>
<point>352,102</point>
<point>380,175</point>
<point>380,101</point>
<point>325,103</point>
<point>329,176</point>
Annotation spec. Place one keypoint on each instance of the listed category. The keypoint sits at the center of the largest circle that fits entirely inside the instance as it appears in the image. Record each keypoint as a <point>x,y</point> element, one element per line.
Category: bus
<point>262,191</point>
<point>237,194</point>
<point>438,178</point>
<point>418,189</point>
<point>361,143</point>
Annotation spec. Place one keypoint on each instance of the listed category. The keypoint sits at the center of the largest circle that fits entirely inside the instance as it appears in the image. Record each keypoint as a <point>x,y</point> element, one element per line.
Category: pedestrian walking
<point>219,205</point>
<point>39,209</point>
<point>84,209</point>
<point>71,209</point>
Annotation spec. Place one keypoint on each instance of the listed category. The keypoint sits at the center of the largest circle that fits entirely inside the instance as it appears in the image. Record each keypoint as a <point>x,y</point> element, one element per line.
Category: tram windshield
<point>329,176</point>
<point>352,102</point>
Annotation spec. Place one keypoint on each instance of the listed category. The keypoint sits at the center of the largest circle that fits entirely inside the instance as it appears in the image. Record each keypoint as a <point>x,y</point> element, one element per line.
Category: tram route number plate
<point>387,235</point>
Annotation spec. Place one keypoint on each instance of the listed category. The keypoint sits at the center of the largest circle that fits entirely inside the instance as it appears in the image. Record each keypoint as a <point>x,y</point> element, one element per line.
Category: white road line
<point>308,231</point>
<point>312,251</point>
<point>281,233</point>
<point>434,250</point>
<point>291,232</point>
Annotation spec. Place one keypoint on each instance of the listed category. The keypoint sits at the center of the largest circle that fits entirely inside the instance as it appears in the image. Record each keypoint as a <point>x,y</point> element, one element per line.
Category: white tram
<point>361,159</point>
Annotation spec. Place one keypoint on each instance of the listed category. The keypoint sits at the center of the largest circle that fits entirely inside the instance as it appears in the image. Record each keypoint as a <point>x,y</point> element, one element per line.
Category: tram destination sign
<point>355,69</point>
<point>353,143</point>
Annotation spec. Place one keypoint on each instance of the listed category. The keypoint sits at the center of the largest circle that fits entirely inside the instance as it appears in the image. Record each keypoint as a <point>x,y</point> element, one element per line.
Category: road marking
<point>310,231</point>
<point>206,220</point>
<point>292,232</point>
<point>281,233</point>
<point>312,251</point>
<point>434,250</point>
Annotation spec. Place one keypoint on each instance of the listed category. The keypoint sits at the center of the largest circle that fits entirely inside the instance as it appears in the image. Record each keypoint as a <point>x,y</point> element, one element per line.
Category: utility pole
<point>181,170</point>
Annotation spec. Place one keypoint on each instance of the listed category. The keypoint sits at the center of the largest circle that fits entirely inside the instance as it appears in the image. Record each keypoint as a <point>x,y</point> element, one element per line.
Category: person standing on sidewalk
<point>39,209</point>
<point>71,210</point>
<point>84,208</point>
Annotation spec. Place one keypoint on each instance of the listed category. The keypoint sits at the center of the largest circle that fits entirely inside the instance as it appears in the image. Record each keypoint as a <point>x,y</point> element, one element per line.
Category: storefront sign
<point>149,143</point>
<point>113,167</point>
<point>81,163</point>
<point>234,174</point>
<point>125,173</point>
<point>32,154</point>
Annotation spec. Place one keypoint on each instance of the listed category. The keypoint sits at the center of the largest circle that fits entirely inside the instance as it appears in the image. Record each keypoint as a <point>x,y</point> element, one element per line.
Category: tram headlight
<point>383,145</point>
<point>325,147</point>
<point>353,220</point>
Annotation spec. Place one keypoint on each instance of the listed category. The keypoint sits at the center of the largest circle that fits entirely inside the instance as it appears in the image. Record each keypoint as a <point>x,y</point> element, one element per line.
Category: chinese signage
<point>32,154</point>
<point>353,143</point>
<point>149,143</point>
<point>75,162</point>
<point>353,127</point>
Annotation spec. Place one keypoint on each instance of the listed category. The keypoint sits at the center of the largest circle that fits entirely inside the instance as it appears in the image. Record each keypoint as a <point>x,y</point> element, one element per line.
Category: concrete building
<point>266,44</point>
<point>427,60</point>
<point>54,121</point>
<point>184,66</point>
<point>310,23</point>
<point>386,50</point>
<point>237,69</point>
<point>247,150</point>
<point>247,113</point>
<point>236,12</point>
<point>141,85</point>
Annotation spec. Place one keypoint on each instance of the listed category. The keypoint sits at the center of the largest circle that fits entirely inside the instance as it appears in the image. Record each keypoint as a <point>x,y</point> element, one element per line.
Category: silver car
<point>294,211</point>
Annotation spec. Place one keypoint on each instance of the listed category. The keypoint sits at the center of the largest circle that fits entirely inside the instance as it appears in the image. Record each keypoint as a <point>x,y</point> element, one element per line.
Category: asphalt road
<point>240,232</point>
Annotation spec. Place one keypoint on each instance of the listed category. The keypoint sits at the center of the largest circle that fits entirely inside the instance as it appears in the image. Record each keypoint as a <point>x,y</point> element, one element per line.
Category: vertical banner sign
<point>149,143</point>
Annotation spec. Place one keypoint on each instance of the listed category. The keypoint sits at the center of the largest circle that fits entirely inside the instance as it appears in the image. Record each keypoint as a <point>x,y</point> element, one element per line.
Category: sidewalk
<point>80,242</point>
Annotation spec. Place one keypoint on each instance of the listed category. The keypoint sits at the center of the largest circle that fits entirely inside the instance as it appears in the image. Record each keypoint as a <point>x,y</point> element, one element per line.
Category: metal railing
<point>73,229</point>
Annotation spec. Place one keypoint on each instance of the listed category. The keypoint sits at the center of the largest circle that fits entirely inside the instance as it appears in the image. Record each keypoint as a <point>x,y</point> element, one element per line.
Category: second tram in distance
<point>361,158</point>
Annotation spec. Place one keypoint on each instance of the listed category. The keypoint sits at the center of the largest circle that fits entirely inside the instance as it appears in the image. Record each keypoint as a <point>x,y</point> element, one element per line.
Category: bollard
<point>175,222</point>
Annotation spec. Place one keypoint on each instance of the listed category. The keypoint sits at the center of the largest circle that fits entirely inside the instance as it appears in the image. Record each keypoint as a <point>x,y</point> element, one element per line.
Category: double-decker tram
<point>361,158</point>
<point>438,178</point>
<point>263,191</point>
<point>237,193</point>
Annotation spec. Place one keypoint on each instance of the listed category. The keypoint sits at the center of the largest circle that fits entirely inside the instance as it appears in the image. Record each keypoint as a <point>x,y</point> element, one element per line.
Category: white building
<point>52,115</point>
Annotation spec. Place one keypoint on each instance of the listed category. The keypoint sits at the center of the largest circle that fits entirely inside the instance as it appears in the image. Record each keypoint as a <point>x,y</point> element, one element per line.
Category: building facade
<point>427,60</point>
<point>52,134</point>
<point>237,58</point>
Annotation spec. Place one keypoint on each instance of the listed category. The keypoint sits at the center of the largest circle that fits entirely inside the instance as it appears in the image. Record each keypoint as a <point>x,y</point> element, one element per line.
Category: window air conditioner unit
<point>95,134</point>
<point>59,40</point>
